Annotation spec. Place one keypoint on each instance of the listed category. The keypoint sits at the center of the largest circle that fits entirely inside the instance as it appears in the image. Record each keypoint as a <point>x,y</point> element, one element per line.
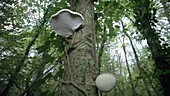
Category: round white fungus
<point>105,82</point>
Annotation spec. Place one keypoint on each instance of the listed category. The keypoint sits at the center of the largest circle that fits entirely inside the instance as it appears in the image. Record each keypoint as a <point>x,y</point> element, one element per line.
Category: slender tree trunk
<point>122,84</point>
<point>139,67</point>
<point>128,68</point>
<point>80,65</point>
<point>137,61</point>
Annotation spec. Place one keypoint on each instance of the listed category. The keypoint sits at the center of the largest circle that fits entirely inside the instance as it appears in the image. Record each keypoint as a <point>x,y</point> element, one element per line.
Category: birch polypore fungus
<point>105,82</point>
<point>65,22</point>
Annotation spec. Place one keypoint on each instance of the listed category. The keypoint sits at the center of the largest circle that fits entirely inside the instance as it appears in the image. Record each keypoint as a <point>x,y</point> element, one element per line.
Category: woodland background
<point>132,42</point>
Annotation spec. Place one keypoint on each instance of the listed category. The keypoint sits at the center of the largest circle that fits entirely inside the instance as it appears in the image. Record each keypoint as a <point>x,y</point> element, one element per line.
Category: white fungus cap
<point>65,22</point>
<point>105,82</point>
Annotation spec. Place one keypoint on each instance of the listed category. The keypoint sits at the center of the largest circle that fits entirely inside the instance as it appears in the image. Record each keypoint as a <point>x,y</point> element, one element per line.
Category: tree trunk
<point>81,67</point>
<point>160,54</point>
<point>137,62</point>
<point>128,68</point>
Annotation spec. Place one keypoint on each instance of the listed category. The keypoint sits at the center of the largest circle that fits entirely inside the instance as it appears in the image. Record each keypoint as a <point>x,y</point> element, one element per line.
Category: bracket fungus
<point>65,22</point>
<point>105,82</point>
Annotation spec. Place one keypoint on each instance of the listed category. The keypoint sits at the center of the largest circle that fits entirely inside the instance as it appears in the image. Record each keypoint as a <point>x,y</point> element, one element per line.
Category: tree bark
<point>81,67</point>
